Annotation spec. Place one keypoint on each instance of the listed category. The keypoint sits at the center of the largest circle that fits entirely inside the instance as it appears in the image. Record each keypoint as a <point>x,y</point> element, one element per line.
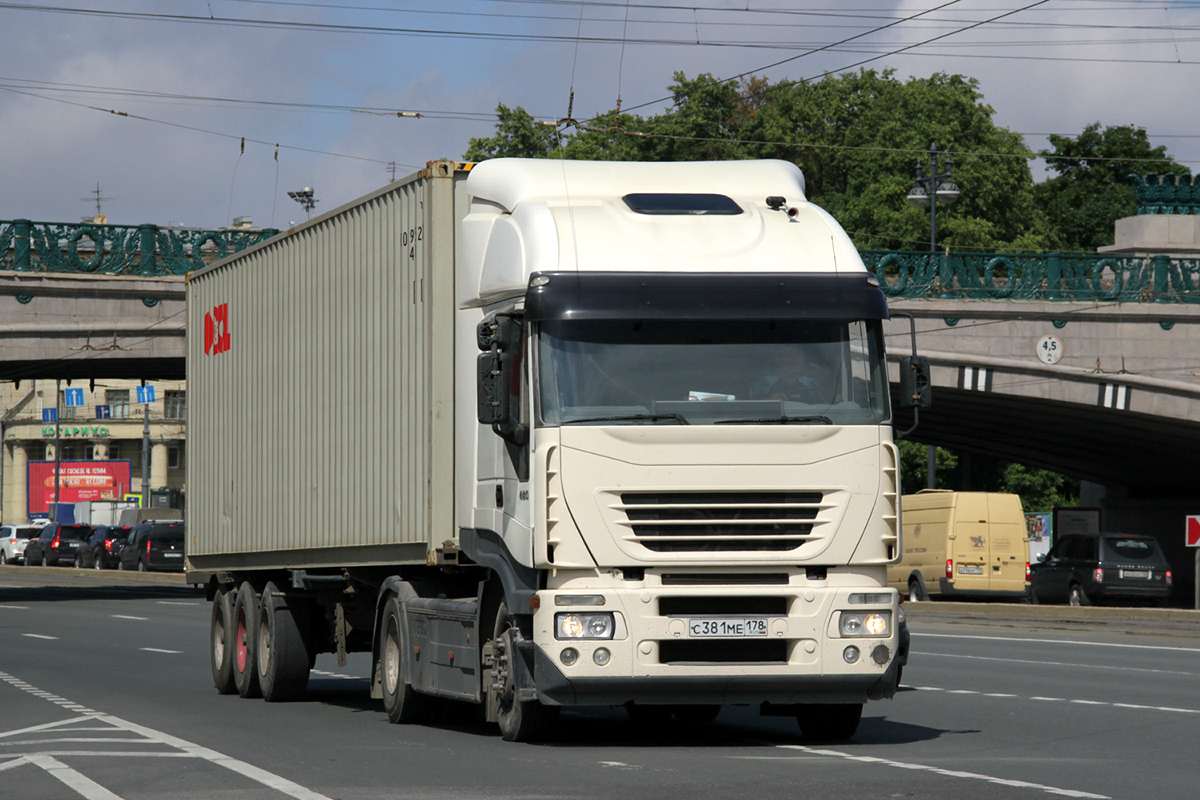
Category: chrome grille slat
<point>725,521</point>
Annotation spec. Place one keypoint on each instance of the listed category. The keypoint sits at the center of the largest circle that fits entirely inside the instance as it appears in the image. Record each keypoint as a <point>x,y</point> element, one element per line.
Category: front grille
<point>695,522</point>
<point>723,651</point>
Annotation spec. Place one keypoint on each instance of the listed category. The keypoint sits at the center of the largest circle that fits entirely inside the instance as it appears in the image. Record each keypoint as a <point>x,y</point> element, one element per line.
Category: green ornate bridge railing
<point>137,250</point>
<point>1036,276</point>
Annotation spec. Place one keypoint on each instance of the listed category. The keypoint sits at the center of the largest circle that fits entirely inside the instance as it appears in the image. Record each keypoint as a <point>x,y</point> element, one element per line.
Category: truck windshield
<point>711,372</point>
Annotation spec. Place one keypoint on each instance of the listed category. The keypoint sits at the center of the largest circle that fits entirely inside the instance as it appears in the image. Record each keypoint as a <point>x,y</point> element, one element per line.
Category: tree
<point>857,138</point>
<point>1091,189</point>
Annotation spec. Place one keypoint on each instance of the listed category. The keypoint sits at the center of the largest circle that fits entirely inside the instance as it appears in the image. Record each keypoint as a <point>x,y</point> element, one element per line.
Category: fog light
<point>881,654</point>
<point>850,654</point>
<point>568,656</point>
<point>601,656</point>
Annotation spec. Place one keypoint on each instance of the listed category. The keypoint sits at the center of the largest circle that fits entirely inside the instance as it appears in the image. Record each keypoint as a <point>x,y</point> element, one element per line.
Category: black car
<point>102,550</point>
<point>154,546</point>
<point>1082,569</point>
<point>56,544</point>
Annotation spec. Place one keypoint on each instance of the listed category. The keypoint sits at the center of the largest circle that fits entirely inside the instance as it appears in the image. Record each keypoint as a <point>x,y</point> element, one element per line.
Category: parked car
<point>102,550</point>
<point>154,546</point>
<point>56,544</point>
<point>14,539</point>
<point>1082,569</point>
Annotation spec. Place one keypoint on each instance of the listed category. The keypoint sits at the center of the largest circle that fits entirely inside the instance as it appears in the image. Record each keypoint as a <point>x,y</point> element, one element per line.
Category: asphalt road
<point>105,693</point>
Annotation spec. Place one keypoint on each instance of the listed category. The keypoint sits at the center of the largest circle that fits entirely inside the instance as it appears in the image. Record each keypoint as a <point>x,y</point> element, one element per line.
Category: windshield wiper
<point>784,420</point>
<point>634,417</point>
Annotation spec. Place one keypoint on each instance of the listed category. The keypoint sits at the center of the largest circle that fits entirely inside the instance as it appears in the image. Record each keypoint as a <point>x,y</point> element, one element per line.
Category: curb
<point>107,575</point>
<point>1027,611</point>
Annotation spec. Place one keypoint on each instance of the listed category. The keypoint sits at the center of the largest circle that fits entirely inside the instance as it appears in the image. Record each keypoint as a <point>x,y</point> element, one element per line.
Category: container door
<point>1006,543</point>
<point>970,545</point>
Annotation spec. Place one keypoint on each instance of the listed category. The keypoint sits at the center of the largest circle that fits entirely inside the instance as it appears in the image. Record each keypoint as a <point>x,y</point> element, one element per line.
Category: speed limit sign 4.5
<point>1049,349</point>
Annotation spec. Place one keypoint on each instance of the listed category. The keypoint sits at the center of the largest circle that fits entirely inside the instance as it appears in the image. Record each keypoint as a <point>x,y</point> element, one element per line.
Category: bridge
<point>1082,364</point>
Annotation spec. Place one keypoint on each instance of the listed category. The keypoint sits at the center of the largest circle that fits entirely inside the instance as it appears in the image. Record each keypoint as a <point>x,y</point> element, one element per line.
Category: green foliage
<point>1091,189</point>
<point>517,136</point>
<point>1039,489</point>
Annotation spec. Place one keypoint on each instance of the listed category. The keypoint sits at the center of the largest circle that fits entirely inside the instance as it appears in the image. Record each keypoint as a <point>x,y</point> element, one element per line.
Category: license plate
<point>172,555</point>
<point>1135,573</point>
<point>729,627</point>
<point>970,570</point>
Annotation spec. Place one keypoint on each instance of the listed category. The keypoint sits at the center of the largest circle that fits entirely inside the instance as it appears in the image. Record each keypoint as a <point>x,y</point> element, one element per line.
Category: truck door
<point>970,543</point>
<point>1006,543</point>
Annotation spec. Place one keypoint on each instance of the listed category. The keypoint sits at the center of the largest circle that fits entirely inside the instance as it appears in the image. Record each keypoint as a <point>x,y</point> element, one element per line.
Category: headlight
<point>583,626</point>
<point>866,624</point>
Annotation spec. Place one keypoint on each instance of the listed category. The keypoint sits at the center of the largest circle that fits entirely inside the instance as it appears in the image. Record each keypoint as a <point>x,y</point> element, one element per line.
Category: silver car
<point>13,539</point>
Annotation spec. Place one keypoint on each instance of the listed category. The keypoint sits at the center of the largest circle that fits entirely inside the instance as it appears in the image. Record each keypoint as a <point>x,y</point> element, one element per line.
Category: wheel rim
<point>96,562</point>
<point>391,659</point>
<point>218,639</point>
<point>264,645</point>
<point>1074,595</point>
<point>242,649</point>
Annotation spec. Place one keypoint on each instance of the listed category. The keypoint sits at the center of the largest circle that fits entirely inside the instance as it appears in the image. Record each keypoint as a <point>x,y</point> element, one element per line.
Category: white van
<point>959,544</point>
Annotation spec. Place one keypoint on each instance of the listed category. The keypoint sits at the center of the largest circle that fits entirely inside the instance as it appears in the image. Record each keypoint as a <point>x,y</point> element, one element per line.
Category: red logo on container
<point>216,330</point>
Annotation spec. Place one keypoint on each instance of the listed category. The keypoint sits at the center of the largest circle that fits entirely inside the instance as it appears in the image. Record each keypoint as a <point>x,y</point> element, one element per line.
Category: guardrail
<point>133,250</point>
<point>1036,276</point>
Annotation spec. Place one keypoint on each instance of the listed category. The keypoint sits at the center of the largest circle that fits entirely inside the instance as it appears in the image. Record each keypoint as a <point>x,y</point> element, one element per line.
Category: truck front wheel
<point>829,722</point>
<point>403,704</point>
<point>520,720</point>
<point>220,641</point>
<point>281,656</point>
<point>245,613</point>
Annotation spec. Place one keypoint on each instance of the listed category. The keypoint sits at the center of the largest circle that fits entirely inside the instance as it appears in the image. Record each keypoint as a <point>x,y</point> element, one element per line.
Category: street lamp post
<point>307,200</point>
<point>929,191</point>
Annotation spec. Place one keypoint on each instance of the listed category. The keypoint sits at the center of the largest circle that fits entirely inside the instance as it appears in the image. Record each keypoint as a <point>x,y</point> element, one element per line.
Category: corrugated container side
<point>320,436</point>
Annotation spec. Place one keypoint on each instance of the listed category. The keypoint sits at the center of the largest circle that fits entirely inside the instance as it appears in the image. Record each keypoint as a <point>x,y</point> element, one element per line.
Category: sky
<point>196,112</point>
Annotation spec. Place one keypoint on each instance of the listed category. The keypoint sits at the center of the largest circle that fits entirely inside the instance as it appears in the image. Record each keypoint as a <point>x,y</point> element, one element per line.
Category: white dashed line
<point>82,784</point>
<point>123,616</point>
<point>157,650</point>
<point>1060,641</point>
<point>1056,663</point>
<point>40,636</point>
<point>946,772</point>
<point>178,603</point>
<point>17,608</point>
<point>1134,706</point>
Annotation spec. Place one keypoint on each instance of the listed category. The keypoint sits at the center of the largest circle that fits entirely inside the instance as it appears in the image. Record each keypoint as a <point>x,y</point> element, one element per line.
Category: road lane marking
<point>151,736</point>
<point>925,654</point>
<point>179,603</point>
<point>82,784</point>
<point>39,636</point>
<point>17,608</point>
<point>946,772</point>
<point>158,650</point>
<point>1135,706</point>
<point>1061,641</point>
<point>47,726</point>
<point>124,616</point>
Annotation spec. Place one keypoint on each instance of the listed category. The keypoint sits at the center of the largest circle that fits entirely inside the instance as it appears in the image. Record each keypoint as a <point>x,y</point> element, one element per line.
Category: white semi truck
<point>547,433</point>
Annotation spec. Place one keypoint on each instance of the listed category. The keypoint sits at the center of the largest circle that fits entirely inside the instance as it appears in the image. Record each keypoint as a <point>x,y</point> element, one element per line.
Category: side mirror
<point>1041,557</point>
<point>499,373</point>
<point>916,390</point>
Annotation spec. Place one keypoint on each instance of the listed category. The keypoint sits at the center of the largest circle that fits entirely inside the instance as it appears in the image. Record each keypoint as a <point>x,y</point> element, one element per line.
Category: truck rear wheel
<point>829,722</point>
<point>520,720</point>
<point>281,657</point>
<point>403,704</point>
<point>220,641</point>
<point>245,612</point>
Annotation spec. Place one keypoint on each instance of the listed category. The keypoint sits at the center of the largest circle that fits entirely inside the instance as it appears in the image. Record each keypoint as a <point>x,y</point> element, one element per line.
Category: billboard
<point>78,481</point>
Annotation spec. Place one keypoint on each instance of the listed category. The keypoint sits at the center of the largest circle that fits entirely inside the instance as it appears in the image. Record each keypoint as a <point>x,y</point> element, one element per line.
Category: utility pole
<point>146,456</point>
<point>57,447</point>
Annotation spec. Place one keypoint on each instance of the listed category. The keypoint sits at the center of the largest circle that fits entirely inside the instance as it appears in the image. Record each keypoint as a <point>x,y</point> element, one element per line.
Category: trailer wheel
<point>520,720</point>
<point>403,704</point>
<point>220,641</point>
<point>282,657</point>
<point>829,722</point>
<point>245,612</point>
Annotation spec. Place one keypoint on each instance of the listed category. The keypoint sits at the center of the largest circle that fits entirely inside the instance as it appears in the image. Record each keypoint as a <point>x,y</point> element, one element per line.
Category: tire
<point>97,563</point>
<point>520,720</point>
<point>404,706</point>
<point>282,656</point>
<point>697,715</point>
<point>649,714</point>
<point>245,669</point>
<point>45,560</point>
<point>1077,596</point>
<point>220,642</point>
<point>915,593</point>
<point>141,565</point>
<point>121,565</point>
<point>78,561</point>
<point>829,722</point>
